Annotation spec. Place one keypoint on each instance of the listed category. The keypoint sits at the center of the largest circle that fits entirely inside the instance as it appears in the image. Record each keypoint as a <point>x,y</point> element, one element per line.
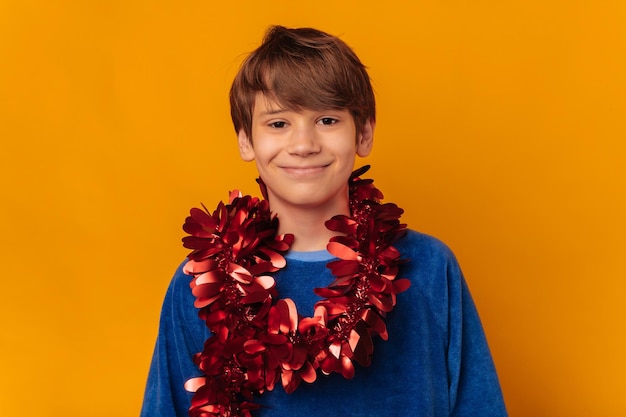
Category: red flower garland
<point>257,341</point>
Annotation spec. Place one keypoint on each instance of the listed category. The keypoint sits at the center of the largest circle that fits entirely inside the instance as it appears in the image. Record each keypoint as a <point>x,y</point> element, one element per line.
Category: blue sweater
<point>436,362</point>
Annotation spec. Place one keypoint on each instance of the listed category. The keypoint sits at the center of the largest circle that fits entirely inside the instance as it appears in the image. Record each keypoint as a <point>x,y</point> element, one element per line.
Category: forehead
<point>265,104</point>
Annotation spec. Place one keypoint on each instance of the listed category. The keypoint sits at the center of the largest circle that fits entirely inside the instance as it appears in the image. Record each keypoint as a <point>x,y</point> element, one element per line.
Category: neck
<point>307,225</point>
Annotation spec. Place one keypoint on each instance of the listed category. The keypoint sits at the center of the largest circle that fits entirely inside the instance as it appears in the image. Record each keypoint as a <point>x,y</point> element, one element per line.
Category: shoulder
<point>430,265</point>
<point>179,300</point>
<point>179,285</point>
<point>424,248</point>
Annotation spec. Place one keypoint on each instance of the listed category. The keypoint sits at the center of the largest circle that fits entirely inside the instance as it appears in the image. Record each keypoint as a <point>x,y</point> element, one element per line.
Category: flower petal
<point>341,251</point>
<point>193,384</point>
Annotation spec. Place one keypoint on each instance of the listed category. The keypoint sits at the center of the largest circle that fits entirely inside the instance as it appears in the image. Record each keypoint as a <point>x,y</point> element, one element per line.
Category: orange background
<point>501,130</point>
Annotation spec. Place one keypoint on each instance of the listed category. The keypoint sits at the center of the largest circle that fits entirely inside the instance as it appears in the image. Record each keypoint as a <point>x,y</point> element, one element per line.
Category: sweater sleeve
<point>474,387</point>
<point>181,334</point>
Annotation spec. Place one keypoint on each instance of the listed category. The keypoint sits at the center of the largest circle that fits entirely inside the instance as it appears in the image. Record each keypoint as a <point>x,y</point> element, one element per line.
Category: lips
<point>304,170</point>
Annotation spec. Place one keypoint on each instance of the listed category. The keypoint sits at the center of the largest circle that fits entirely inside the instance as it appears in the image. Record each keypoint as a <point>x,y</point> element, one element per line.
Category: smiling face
<point>305,157</point>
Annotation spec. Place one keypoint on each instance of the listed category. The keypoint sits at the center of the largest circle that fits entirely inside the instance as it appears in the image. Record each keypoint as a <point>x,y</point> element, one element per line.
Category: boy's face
<point>305,157</point>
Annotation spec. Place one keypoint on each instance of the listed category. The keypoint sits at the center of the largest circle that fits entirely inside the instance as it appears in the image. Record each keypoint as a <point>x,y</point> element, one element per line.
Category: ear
<point>365,139</point>
<point>246,150</point>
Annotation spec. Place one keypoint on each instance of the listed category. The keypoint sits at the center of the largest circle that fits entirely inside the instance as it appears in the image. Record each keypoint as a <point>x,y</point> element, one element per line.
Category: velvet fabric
<point>436,362</point>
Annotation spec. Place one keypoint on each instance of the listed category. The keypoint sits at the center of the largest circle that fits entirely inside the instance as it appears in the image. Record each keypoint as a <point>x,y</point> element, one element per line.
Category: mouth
<point>304,170</point>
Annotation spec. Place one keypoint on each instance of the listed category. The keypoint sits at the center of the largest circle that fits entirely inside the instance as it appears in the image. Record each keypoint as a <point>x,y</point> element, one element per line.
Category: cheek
<point>264,150</point>
<point>346,149</point>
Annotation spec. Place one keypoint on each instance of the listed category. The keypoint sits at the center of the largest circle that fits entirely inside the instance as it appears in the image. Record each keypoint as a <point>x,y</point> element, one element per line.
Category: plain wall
<point>501,130</point>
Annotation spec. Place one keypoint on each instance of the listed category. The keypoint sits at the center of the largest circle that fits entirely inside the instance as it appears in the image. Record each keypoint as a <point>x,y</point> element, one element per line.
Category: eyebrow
<point>272,112</point>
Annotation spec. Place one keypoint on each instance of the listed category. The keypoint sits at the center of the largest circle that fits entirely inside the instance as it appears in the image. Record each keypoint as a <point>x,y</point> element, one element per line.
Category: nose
<point>303,141</point>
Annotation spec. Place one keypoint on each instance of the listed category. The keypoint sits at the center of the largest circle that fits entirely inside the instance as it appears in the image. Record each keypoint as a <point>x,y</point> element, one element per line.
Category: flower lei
<point>257,339</point>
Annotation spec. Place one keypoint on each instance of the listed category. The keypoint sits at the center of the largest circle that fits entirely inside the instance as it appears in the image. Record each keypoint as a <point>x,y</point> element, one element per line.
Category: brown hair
<point>302,68</point>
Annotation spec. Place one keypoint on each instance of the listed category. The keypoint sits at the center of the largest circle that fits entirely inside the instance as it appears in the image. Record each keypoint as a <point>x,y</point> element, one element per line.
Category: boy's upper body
<point>303,109</point>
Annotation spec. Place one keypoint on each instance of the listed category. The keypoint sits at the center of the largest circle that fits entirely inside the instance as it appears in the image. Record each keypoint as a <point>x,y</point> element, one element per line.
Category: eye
<point>327,121</point>
<point>277,125</point>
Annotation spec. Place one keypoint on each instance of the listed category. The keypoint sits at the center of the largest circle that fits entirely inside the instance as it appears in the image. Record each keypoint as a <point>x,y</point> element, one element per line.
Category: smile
<point>304,171</point>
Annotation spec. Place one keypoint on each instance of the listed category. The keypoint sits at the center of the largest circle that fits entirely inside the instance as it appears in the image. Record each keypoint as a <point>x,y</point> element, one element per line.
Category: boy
<point>232,328</point>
